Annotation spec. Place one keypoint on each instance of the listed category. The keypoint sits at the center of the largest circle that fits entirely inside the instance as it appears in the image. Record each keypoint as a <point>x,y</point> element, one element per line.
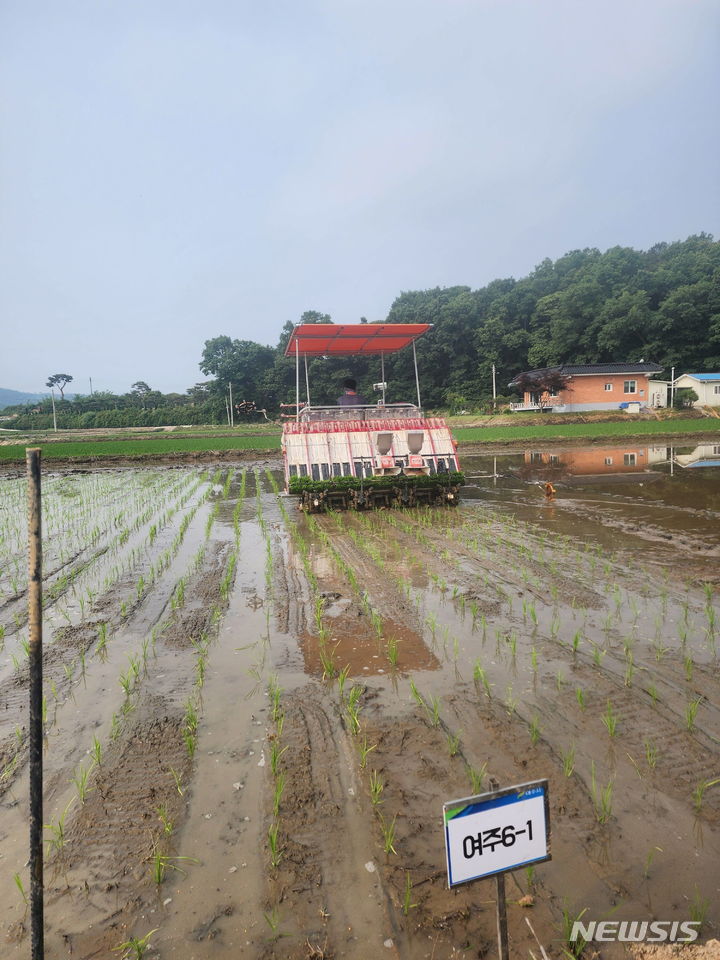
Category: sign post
<point>492,833</point>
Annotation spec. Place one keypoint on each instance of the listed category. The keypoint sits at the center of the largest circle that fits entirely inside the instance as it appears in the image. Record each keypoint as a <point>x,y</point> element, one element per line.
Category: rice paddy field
<point>253,716</point>
<point>208,443</point>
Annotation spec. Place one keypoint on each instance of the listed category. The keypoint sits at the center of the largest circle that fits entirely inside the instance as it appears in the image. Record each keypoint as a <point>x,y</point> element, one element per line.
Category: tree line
<point>622,305</point>
<point>662,304</point>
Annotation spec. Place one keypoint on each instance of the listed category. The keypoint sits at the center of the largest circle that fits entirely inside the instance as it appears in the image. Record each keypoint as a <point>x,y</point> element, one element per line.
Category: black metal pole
<point>502,928</point>
<point>32,456</point>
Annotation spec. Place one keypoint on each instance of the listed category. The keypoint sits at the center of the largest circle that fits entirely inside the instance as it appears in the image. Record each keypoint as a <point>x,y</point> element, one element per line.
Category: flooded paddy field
<point>254,716</point>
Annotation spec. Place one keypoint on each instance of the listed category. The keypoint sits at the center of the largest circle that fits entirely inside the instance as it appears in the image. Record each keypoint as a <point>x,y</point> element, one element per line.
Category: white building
<point>705,385</point>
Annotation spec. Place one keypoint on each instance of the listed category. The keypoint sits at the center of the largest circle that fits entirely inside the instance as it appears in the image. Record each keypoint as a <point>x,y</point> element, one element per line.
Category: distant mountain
<point>9,398</point>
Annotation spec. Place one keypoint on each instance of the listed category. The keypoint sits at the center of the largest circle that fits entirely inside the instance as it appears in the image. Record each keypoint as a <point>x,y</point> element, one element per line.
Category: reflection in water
<point>637,489</point>
<point>590,461</point>
<point>704,455</point>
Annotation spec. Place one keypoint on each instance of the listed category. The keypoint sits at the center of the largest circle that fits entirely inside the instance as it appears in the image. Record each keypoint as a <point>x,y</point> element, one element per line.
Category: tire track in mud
<point>326,842</point>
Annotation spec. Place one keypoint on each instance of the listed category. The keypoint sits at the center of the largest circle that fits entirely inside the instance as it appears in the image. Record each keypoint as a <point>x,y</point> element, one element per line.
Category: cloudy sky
<point>172,170</point>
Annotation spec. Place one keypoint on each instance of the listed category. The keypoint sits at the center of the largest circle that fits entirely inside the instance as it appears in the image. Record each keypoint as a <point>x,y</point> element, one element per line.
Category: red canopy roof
<point>352,339</point>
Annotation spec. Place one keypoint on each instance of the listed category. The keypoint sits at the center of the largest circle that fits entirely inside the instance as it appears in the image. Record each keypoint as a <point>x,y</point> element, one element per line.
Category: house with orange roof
<point>591,386</point>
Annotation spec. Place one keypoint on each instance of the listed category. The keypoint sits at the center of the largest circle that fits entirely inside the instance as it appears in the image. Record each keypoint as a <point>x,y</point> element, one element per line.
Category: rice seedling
<point>276,851</point>
<point>688,665</point>
<point>278,792</point>
<point>342,679</point>
<point>453,742</point>
<point>276,753</point>
<point>190,741</point>
<point>164,819</point>
<point>610,719</point>
<point>135,947</point>
<point>191,716</point>
<point>568,760</point>
<point>274,692</point>
<point>479,674</point>
<point>533,659</point>
<point>161,862</point>
<point>57,831</point>
<point>114,727</point>
<point>101,645</point>
<point>125,681</point>
<point>407,904</point>
<point>392,651</point>
<point>629,669</point>
<point>365,749</point>
<point>651,754</point>
<point>534,729</point>
<point>572,948</point>
<point>177,780</point>
<point>699,907</point>
<point>21,888</point>
<point>601,797</point>
<point>434,711</point>
<point>272,918</point>
<point>376,788</point>
<point>649,860</point>
<point>653,692</point>
<point>80,779</point>
<point>698,793</point>
<point>691,713</point>
<point>477,777</point>
<point>327,660</point>
<point>388,834</point>
<point>353,709</point>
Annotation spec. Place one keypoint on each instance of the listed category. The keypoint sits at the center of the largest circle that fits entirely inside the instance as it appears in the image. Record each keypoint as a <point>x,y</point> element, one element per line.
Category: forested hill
<point>662,304</point>
<point>587,307</point>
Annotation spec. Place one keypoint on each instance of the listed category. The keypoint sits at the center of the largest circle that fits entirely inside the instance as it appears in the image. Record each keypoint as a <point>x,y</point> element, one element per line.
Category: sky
<point>173,171</point>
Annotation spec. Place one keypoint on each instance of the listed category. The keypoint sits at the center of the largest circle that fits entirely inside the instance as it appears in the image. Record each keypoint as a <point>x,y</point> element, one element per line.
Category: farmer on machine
<point>351,398</point>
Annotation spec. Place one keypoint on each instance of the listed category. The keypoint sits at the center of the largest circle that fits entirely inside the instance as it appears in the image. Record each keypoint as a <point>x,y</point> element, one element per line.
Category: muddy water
<point>517,637</point>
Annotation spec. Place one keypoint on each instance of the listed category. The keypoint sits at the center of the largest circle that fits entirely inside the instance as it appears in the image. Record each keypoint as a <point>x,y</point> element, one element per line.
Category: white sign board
<point>497,831</point>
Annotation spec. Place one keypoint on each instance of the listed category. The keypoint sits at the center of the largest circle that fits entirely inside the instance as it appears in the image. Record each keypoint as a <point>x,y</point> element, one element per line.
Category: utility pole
<point>52,394</point>
<point>232,410</point>
<point>672,387</point>
<point>91,393</point>
<point>494,389</point>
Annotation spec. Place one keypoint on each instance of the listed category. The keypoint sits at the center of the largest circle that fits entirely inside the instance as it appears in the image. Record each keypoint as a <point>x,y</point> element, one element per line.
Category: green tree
<point>242,363</point>
<point>59,380</point>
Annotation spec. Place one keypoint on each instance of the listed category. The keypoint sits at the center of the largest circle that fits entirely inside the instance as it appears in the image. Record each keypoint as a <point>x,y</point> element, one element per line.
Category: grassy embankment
<point>168,445</point>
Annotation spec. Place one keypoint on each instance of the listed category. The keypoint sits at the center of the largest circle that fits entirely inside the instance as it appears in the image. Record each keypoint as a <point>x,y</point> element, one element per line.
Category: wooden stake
<point>502,928</point>
<point>32,455</point>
